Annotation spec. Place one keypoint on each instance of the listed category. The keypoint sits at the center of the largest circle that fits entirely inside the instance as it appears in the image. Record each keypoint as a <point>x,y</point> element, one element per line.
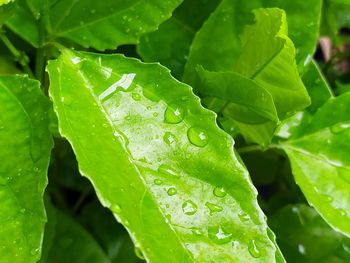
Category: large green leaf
<point>101,25</point>
<point>25,150</point>
<point>273,88</point>
<point>67,241</point>
<point>225,26</point>
<point>158,160</point>
<point>318,150</point>
<point>164,46</point>
<point>305,237</point>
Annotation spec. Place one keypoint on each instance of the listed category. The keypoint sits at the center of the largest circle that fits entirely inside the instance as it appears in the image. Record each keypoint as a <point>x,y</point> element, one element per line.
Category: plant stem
<point>40,58</point>
<point>20,57</point>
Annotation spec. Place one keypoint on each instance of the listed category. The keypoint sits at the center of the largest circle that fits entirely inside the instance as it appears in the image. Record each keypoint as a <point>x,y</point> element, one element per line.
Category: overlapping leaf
<point>25,145</point>
<point>317,146</point>
<point>158,161</point>
<point>101,25</point>
<point>273,88</point>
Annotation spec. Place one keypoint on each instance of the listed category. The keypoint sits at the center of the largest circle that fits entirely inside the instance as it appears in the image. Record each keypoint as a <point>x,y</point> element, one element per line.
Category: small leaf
<point>318,152</point>
<point>25,151</point>
<point>119,143</point>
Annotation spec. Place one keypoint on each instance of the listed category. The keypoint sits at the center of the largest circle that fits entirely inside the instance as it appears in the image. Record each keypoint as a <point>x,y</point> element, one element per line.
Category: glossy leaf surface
<point>158,161</point>
<point>226,25</point>
<point>306,238</point>
<point>170,44</point>
<point>25,145</point>
<point>267,60</point>
<point>101,25</point>
<point>318,152</point>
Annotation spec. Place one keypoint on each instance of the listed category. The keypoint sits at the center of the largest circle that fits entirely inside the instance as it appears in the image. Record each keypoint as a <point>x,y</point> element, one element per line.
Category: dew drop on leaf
<point>174,114</point>
<point>218,235</point>
<point>167,170</point>
<point>197,231</point>
<point>213,207</point>
<point>219,191</point>
<point>116,208</point>
<point>189,208</point>
<point>172,191</point>
<point>197,136</point>
<point>158,181</point>
<point>34,252</point>
<point>136,96</point>
<point>139,253</point>
<point>253,249</point>
<point>340,127</point>
<point>243,216</point>
<point>169,138</point>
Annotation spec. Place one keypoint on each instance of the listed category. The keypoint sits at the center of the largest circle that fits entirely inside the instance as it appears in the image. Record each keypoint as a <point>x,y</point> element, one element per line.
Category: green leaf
<point>170,44</point>
<point>316,86</point>
<point>6,9</point>
<point>271,88</point>
<point>101,25</point>
<point>225,26</point>
<point>158,160</point>
<point>305,237</point>
<point>318,151</point>
<point>67,241</point>
<point>25,151</point>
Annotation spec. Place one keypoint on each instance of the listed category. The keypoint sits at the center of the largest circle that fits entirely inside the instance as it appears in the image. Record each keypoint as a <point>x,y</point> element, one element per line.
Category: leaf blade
<point>164,191</point>
<point>26,144</point>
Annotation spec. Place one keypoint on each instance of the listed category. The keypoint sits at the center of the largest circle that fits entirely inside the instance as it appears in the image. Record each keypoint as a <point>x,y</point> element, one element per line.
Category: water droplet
<point>189,208</point>
<point>218,235</point>
<point>149,108</point>
<point>136,96</point>
<point>138,253</point>
<point>34,252</point>
<point>169,138</point>
<point>167,170</point>
<point>243,216</point>
<point>340,127</point>
<point>253,249</point>
<point>301,249</point>
<point>116,208</point>
<point>155,114</point>
<point>158,181</point>
<point>174,114</point>
<point>213,207</point>
<point>128,118</point>
<point>219,191</point>
<point>197,231</point>
<point>342,212</point>
<point>172,191</point>
<point>197,136</point>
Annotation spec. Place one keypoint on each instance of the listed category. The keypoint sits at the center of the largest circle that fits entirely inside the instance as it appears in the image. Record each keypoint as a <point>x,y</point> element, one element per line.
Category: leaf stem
<point>20,57</point>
